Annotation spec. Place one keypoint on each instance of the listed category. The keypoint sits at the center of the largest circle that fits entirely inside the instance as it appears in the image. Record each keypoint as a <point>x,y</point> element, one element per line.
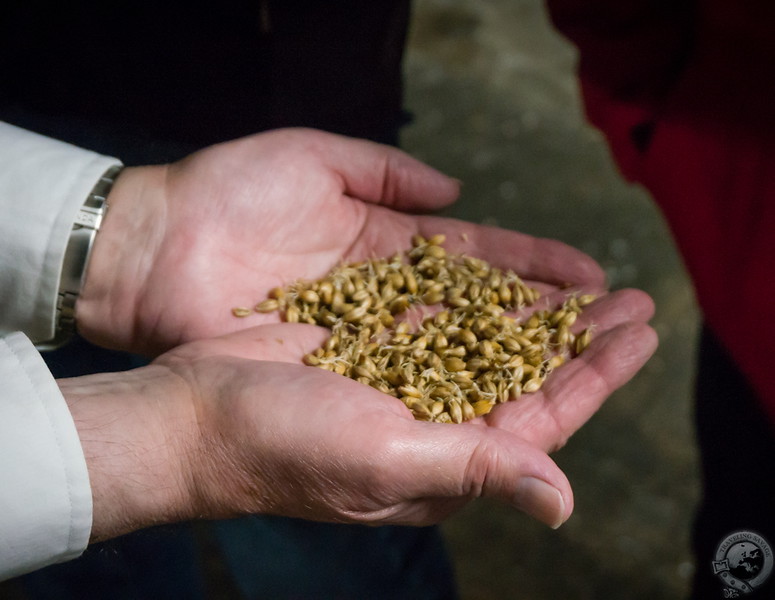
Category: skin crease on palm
<point>234,424</point>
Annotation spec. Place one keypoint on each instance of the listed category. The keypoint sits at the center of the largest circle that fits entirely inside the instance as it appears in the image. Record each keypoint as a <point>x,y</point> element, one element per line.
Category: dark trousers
<point>737,445</point>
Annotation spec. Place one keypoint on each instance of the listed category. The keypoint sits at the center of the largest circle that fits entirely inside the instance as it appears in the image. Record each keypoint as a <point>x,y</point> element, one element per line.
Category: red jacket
<point>685,93</point>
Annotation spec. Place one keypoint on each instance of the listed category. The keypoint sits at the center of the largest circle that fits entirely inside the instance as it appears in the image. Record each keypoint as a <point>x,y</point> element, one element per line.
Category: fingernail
<point>541,501</point>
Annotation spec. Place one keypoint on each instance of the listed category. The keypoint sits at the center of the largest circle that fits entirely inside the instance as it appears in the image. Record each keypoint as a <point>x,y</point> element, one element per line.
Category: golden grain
<point>453,366</point>
<point>309,296</point>
<point>582,341</point>
<point>311,360</point>
<point>532,385</point>
<point>267,306</point>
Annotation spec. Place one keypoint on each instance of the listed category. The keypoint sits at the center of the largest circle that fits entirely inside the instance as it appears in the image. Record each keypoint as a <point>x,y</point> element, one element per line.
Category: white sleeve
<point>43,183</point>
<point>45,498</point>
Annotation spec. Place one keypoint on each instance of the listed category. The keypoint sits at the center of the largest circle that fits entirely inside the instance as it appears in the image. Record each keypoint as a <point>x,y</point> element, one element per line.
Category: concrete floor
<point>492,89</point>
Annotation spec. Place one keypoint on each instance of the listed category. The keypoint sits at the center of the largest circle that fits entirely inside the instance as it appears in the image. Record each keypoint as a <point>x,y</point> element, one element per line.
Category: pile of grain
<point>452,364</point>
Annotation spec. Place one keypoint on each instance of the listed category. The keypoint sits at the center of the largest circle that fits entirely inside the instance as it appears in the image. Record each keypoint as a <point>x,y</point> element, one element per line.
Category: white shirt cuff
<point>45,502</point>
<point>43,184</point>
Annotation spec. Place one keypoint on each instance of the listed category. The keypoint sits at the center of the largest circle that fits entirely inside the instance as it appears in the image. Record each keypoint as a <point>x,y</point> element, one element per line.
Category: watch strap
<point>76,258</point>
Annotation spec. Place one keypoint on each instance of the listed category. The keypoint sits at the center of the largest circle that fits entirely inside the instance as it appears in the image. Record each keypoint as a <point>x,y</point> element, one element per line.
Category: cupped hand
<point>207,431</point>
<point>622,342</point>
<point>234,425</point>
<point>184,243</point>
<point>334,449</point>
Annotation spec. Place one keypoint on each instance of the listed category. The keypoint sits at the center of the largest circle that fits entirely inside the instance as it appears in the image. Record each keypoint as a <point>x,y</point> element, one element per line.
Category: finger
<point>575,391</point>
<point>387,176</point>
<point>533,258</point>
<point>614,309</point>
<point>450,462</point>
<point>609,310</point>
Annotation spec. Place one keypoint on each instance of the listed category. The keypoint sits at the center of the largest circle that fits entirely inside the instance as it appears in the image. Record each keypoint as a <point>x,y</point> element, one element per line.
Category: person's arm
<point>213,429</point>
<point>234,425</point>
<point>46,503</point>
<point>184,243</point>
<point>43,184</point>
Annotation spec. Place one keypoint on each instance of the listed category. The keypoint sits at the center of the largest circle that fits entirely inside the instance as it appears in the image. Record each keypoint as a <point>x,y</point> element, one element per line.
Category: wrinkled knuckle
<point>484,461</point>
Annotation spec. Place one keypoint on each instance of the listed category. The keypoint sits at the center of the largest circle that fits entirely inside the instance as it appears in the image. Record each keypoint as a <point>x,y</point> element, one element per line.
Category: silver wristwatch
<point>87,224</point>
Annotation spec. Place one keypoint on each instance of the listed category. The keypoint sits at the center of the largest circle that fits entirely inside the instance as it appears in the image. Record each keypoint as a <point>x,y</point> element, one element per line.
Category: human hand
<point>184,243</point>
<point>206,431</point>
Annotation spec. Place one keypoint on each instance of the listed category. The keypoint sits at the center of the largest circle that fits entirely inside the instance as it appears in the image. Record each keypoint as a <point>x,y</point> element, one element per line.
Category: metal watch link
<point>76,259</point>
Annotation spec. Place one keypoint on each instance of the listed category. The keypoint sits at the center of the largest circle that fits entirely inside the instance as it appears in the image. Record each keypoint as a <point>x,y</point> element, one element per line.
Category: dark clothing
<point>188,74</point>
<point>737,472</point>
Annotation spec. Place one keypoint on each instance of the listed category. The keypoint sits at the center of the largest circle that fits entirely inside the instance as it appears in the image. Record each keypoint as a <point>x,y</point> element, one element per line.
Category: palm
<point>622,343</point>
<point>261,217</point>
<point>233,221</point>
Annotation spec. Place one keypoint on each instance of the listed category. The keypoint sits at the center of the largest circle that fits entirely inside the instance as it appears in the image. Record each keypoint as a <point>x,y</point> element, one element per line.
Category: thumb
<point>385,175</point>
<point>469,460</point>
